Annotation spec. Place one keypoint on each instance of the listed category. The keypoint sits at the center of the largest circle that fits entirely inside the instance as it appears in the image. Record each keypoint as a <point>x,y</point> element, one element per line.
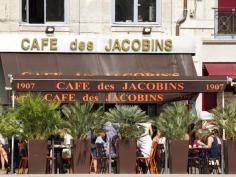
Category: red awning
<point>221,69</point>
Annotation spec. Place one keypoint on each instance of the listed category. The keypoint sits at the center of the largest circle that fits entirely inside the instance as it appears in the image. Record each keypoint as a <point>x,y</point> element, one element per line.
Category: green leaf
<point>174,120</point>
<point>35,117</point>
<point>127,119</point>
<point>82,117</point>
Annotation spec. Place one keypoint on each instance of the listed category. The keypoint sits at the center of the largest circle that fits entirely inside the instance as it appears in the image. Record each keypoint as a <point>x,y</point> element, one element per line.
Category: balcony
<point>225,22</point>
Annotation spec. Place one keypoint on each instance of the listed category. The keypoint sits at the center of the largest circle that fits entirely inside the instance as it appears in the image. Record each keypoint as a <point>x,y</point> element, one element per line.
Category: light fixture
<point>50,30</point>
<point>8,88</point>
<point>147,30</point>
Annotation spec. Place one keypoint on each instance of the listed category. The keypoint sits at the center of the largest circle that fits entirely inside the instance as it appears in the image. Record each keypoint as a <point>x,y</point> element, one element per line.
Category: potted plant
<point>226,120</point>
<point>9,125</point>
<point>173,123</point>
<point>80,118</point>
<point>127,119</point>
<point>37,119</point>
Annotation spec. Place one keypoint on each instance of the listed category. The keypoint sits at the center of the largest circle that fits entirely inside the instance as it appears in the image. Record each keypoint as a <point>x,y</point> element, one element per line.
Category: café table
<point>57,149</point>
<point>198,156</point>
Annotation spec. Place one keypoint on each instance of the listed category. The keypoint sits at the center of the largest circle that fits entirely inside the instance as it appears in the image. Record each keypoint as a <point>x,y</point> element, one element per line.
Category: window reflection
<point>146,10</point>
<point>24,10</point>
<point>124,10</point>
<point>36,11</point>
<point>55,10</point>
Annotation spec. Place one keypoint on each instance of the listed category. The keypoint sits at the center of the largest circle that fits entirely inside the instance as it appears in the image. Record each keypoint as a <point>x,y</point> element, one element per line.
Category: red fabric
<point>209,101</point>
<point>223,69</point>
<point>227,4</point>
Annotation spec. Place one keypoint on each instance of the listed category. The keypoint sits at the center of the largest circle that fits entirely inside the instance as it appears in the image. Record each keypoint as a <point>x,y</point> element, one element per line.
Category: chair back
<point>153,150</point>
<point>100,150</point>
<point>22,149</point>
<point>160,150</point>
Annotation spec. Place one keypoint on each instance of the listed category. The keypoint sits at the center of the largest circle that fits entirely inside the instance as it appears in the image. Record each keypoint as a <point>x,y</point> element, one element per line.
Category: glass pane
<point>36,11</point>
<point>23,11</point>
<point>146,10</point>
<point>124,11</point>
<point>55,10</point>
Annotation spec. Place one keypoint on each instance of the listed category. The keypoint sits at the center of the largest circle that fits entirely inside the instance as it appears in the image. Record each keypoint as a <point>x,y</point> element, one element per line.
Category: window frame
<point>66,15</point>
<point>135,11</point>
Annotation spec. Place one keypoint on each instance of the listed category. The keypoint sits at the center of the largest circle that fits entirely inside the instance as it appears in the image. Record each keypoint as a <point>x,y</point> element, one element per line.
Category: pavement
<point>113,175</point>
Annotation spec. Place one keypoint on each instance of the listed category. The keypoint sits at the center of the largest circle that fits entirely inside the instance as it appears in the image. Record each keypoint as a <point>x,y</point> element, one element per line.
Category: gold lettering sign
<point>137,45</point>
<point>113,45</point>
<point>25,44</point>
<point>77,45</point>
<point>39,44</point>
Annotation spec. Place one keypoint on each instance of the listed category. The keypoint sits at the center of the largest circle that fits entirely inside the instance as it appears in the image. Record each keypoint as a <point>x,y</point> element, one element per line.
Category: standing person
<point>160,157</point>
<point>3,153</point>
<point>158,138</point>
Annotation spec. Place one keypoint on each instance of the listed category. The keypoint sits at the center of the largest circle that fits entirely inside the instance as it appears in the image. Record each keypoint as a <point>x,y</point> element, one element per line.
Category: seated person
<point>144,145</point>
<point>66,152</point>
<point>111,138</point>
<point>102,139</point>
<point>101,142</point>
<point>212,144</point>
<point>197,141</point>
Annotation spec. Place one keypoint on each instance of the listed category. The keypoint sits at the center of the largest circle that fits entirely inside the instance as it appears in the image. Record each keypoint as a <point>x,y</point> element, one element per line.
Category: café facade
<point>132,69</point>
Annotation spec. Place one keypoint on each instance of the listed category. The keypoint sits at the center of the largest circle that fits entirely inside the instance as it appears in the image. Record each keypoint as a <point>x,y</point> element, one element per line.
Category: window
<point>136,11</point>
<point>43,11</point>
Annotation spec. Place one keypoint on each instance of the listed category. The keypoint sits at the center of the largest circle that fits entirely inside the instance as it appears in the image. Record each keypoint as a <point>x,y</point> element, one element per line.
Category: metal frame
<point>229,18</point>
<point>166,171</point>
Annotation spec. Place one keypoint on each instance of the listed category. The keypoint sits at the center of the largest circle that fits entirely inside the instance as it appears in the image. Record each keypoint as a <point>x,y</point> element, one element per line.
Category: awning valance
<point>43,64</point>
<point>221,69</point>
<point>181,84</point>
<point>118,89</point>
<point>107,78</point>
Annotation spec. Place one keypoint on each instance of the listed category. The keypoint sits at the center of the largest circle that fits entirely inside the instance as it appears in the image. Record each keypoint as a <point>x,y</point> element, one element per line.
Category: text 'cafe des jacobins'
<point>103,69</point>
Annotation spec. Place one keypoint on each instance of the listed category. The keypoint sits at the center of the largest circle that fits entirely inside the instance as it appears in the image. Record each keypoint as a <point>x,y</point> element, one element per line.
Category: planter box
<point>178,156</point>
<point>81,157</point>
<point>126,151</point>
<point>230,156</point>
<point>37,156</point>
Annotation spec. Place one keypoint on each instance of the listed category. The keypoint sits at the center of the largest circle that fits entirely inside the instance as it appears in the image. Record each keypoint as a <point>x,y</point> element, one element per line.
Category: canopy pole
<point>12,138</point>
<point>223,138</point>
<point>13,106</point>
<point>166,156</point>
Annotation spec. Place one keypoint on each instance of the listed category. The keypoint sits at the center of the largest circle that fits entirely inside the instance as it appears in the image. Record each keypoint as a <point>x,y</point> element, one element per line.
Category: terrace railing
<point>225,22</point>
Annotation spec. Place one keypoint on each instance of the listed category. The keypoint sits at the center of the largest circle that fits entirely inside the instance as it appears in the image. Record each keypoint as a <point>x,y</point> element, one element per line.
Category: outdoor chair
<point>160,158</point>
<point>150,161</point>
<point>101,158</point>
<point>215,163</point>
<point>194,161</point>
<point>22,165</point>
